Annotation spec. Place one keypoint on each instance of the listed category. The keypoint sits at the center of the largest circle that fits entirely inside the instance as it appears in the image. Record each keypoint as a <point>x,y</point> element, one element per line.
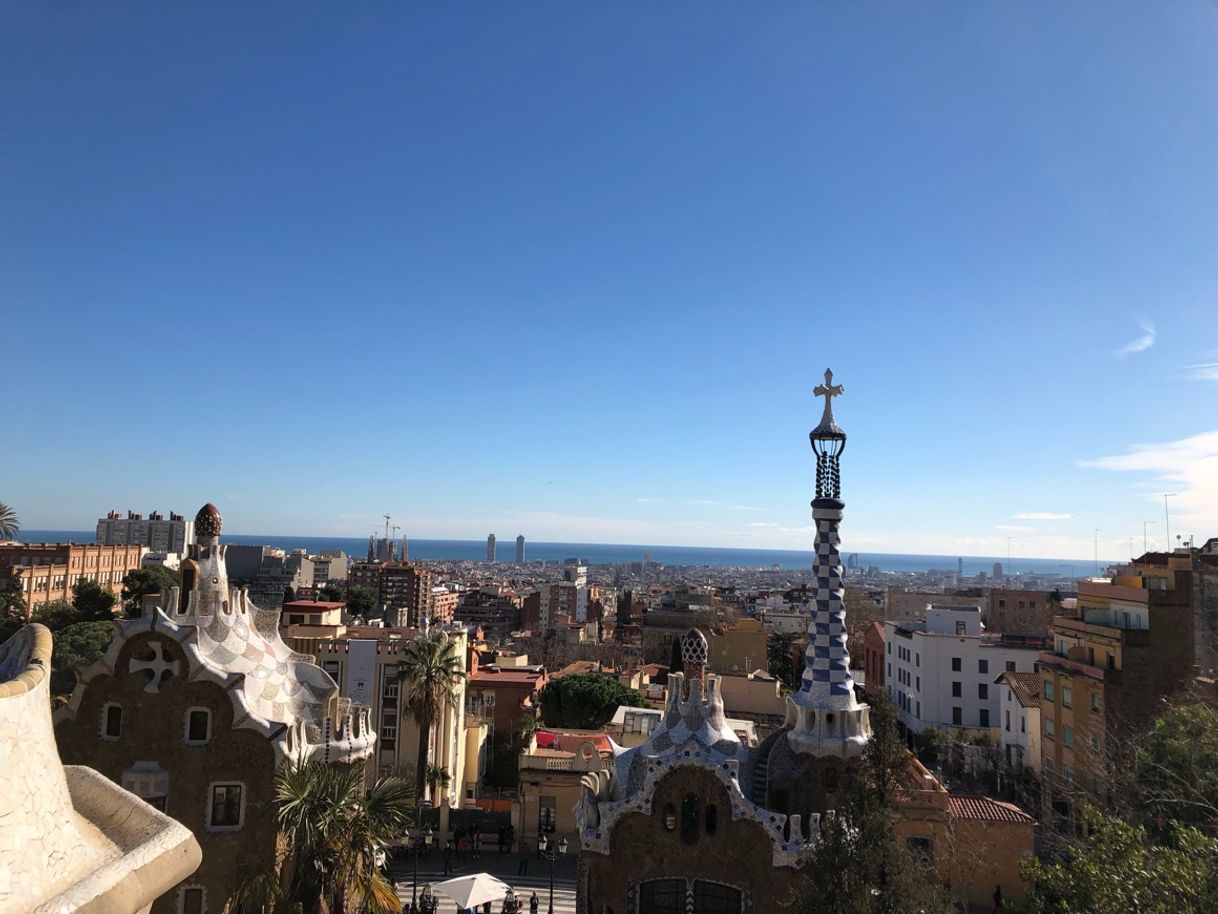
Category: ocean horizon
<point>619,553</point>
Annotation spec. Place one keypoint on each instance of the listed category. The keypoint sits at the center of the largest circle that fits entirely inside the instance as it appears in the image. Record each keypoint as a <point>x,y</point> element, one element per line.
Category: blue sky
<point>572,270</point>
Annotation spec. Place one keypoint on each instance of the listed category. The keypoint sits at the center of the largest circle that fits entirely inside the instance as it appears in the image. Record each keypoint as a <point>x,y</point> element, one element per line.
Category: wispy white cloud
<point>1042,515</point>
<point>1188,466</point>
<point>1207,371</point>
<point>746,508</point>
<point>1140,343</point>
<point>649,501</point>
<point>1013,528</point>
<point>762,524</point>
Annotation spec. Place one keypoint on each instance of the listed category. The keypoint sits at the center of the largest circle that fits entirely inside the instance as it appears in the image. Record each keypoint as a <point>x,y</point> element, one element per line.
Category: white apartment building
<point>940,670</point>
<point>153,531</point>
<point>1019,709</point>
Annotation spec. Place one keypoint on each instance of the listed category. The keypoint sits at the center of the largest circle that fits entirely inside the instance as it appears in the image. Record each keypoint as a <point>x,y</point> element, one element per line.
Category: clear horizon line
<point>511,542</point>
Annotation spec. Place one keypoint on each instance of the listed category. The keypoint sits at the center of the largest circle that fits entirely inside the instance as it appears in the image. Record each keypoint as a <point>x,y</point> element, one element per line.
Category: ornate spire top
<point>828,441</point>
<point>828,428</point>
<point>208,521</point>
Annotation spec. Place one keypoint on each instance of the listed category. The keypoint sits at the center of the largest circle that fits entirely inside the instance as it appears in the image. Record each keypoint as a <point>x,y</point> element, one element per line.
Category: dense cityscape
<point>633,458</point>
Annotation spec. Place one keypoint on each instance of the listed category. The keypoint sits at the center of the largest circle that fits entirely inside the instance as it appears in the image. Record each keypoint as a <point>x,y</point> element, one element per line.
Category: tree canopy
<point>362,601</point>
<point>77,645</point>
<point>585,701</point>
<point>331,593</point>
<point>778,649</point>
<point>1176,767</point>
<point>9,522</point>
<point>429,673</point>
<point>143,581</point>
<point>92,601</point>
<point>1120,869</point>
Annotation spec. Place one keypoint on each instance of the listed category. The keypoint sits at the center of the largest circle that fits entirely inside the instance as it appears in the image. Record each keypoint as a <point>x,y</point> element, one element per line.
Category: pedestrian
<point>502,838</point>
<point>522,868</point>
<point>533,903</point>
<point>462,848</point>
<point>998,898</point>
<point>486,908</point>
<point>448,858</point>
<point>477,845</point>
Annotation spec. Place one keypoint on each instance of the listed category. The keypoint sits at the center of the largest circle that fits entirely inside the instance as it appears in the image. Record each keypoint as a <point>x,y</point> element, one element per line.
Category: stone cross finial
<point>828,390</point>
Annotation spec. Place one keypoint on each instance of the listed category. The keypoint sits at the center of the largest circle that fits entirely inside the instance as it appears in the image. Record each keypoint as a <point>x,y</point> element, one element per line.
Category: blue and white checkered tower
<point>824,716</point>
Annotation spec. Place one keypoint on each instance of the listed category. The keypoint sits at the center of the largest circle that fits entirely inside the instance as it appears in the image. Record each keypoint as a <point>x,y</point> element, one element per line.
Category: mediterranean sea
<point>612,554</point>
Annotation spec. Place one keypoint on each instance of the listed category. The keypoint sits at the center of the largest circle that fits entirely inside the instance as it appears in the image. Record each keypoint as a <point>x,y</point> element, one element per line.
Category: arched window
<point>198,726</point>
<point>712,818</point>
<point>112,720</point>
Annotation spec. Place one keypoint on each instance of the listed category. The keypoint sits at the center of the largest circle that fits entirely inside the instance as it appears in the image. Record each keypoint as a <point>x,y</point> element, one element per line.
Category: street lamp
<point>551,854</point>
<point>417,843</point>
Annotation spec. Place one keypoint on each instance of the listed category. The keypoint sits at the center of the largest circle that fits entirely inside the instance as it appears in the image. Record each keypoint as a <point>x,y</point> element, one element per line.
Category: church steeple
<point>828,720</point>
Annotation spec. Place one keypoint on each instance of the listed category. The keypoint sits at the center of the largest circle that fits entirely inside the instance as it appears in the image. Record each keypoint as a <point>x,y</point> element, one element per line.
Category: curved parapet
<point>69,838</point>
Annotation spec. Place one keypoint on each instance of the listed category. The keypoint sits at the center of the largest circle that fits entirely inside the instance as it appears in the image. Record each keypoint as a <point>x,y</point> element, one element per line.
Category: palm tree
<point>9,524</point>
<point>438,779</point>
<point>429,674</point>
<point>332,830</point>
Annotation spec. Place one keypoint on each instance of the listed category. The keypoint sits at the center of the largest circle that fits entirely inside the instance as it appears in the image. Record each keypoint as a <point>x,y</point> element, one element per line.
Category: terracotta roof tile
<point>1025,687</point>
<point>986,809</point>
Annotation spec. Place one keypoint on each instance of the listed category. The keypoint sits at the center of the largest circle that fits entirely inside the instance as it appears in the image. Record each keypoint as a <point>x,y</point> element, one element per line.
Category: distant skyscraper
<point>960,567</point>
<point>520,550</point>
<point>997,570</point>
<point>405,548</point>
<point>490,548</point>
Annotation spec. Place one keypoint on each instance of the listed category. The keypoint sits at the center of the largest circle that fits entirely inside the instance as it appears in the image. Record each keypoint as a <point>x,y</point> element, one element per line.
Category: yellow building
<point>1126,644</point>
<point>549,788</point>
<point>740,649</point>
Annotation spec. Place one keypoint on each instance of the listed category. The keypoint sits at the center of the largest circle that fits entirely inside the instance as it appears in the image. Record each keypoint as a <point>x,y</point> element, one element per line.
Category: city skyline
<point>221,225</point>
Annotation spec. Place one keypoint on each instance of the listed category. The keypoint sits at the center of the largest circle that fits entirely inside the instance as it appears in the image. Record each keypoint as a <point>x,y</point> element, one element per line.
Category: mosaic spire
<point>828,718</point>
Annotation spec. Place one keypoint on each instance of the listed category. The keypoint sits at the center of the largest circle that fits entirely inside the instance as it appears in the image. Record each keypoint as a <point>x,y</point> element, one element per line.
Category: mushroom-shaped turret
<point>208,521</point>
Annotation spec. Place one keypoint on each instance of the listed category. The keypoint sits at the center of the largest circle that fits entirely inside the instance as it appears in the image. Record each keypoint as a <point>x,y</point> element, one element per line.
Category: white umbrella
<point>473,890</point>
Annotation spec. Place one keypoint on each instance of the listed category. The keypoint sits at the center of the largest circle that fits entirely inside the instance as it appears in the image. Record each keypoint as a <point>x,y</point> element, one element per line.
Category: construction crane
<point>386,516</point>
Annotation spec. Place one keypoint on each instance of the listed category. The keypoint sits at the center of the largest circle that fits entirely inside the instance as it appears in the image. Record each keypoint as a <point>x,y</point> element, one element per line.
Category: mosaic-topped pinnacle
<point>208,521</point>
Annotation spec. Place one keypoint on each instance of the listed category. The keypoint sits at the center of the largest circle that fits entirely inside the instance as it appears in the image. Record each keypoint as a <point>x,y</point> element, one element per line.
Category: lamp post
<point>417,843</point>
<point>551,854</point>
<point>1167,517</point>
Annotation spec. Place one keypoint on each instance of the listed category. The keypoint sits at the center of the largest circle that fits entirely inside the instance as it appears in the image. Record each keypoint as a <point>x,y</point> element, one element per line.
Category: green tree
<point>75,646</point>
<point>362,601</point>
<point>585,700</point>
<point>861,865</point>
<point>331,593</point>
<point>9,523</point>
<point>1119,869</point>
<point>1176,768</point>
<point>429,673</point>
<point>144,581</point>
<point>57,615</point>
<point>92,601</point>
<point>332,831</point>
<point>438,780</point>
<point>779,649</point>
<point>12,600</point>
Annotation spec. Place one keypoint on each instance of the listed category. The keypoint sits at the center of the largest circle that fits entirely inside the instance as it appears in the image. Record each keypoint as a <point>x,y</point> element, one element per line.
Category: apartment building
<point>1028,611</point>
<point>1127,645</point>
<point>48,571</point>
<point>1019,734</point>
<point>400,586</point>
<point>363,662</point>
<point>940,670</point>
<point>160,535</point>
